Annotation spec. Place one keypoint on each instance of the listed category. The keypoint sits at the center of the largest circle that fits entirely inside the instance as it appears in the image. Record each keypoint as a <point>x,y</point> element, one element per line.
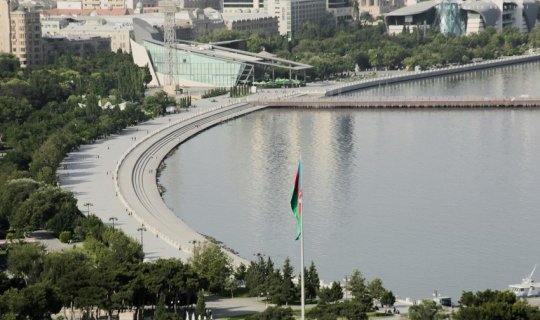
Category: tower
<point>168,8</point>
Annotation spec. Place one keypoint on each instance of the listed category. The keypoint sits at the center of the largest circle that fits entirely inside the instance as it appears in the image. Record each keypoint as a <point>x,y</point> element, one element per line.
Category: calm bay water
<point>423,199</point>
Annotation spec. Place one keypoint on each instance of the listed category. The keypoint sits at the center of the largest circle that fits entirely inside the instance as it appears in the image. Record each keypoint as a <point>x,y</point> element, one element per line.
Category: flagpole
<point>302,292</point>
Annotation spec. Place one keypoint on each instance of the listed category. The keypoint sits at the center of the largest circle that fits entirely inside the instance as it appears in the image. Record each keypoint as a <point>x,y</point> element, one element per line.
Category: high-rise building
<point>20,33</point>
<point>292,14</point>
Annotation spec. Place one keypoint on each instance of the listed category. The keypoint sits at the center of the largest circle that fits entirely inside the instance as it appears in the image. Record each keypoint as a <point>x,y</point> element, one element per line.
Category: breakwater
<point>369,83</point>
<point>403,103</point>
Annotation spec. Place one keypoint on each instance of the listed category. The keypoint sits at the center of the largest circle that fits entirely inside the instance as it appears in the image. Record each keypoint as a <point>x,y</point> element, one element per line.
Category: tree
<point>492,304</point>
<point>312,282</point>
<point>331,294</point>
<point>257,275</point>
<point>426,310</point>
<point>283,290</point>
<point>158,102</point>
<point>388,298</point>
<point>26,261</point>
<point>212,264</point>
<point>70,272</point>
<point>357,284</point>
<point>358,288</point>
<point>200,309</point>
<point>376,289</point>
<point>36,301</point>
<point>9,65</point>
<point>274,313</point>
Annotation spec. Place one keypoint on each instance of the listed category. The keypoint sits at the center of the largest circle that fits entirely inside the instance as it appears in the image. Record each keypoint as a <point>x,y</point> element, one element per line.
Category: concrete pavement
<point>100,173</point>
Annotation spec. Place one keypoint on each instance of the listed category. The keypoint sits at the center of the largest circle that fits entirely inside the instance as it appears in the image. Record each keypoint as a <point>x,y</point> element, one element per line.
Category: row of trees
<point>488,304</point>
<point>334,50</point>
<point>45,113</point>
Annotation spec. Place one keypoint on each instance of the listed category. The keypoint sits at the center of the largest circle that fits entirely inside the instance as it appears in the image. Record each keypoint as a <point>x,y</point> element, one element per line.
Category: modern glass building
<point>193,66</point>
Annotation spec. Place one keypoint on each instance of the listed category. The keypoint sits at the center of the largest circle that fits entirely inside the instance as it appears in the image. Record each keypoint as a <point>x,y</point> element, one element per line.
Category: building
<point>20,33</point>
<point>69,5</point>
<point>95,26</point>
<point>201,65</point>
<point>202,4</point>
<point>377,8</point>
<point>252,22</point>
<point>52,25</point>
<point>56,46</point>
<point>341,10</point>
<point>464,17</point>
<point>244,6</point>
<point>292,14</point>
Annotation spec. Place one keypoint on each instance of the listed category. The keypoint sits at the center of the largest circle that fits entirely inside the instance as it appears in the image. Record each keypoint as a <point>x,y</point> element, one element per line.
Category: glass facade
<point>197,67</point>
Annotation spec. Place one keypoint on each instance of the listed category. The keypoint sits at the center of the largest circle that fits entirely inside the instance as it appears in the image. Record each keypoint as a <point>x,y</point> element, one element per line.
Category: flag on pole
<point>296,200</point>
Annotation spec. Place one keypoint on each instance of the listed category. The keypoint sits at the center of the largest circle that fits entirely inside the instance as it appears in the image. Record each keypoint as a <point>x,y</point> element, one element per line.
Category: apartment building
<point>20,33</point>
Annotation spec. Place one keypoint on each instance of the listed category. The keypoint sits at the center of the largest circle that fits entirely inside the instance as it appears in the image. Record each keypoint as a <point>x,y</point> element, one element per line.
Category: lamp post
<point>142,229</point>
<point>113,219</point>
<point>88,205</point>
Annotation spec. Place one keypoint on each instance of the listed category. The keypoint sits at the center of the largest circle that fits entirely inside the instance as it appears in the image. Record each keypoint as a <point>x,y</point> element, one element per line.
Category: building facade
<point>252,22</point>
<point>119,33</point>
<point>377,8</point>
<point>56,46</point>
<point>292,14</point>
<point>464,17</point>
<point>69,5</point>
<point>20,33</point>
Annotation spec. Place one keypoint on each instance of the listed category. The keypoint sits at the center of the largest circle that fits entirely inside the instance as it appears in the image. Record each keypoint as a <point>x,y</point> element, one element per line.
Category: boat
<point>527,287</point>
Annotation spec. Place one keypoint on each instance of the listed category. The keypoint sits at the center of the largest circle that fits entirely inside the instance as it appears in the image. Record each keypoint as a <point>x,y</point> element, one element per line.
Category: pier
<point>401,103</point>
<point>338,89</point>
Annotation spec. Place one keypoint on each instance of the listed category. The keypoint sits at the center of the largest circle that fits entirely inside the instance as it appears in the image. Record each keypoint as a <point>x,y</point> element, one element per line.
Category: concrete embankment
<point>369,83</point>
<point>115,178</point>
<point>136,177</point>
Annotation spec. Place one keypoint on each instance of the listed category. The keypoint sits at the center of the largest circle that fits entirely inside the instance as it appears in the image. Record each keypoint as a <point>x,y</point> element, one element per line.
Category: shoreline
<point>90,170</point>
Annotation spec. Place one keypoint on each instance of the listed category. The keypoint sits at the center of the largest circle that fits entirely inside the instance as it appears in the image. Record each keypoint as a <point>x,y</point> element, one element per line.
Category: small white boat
<point>527,287</point>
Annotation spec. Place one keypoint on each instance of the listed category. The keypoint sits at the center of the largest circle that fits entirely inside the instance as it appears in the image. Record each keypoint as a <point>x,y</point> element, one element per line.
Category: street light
<point>113,219</point>
<point>88,205</point>
<point>142,229</point>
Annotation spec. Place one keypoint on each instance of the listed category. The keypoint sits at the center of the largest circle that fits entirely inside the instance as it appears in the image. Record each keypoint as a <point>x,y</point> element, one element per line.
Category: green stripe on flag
<point>296,200</point>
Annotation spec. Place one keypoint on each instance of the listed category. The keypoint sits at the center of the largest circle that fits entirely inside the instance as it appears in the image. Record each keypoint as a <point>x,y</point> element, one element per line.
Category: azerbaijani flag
<point>296,200</point>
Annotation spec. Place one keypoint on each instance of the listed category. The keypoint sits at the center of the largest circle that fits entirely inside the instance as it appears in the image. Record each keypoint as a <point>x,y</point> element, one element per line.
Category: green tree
<point>388,298</point>
<point>70,272</point>
<point>312,282</point>
<point>9,65</point>
<point>212,264</point>
<point>357,286</point>
<point>26,261</point>
<point>492,304</point>
<point>331,294</point>
<point>200,308</point>
<point>376,289</point>
<point>257,275</point>
<point>282,289</point>
<point>274,313</point>
<point>426,310</point>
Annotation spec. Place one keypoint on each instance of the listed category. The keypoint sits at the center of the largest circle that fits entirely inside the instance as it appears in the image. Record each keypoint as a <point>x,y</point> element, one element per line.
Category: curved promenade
<point>136,185</point>
<point>115,178</point>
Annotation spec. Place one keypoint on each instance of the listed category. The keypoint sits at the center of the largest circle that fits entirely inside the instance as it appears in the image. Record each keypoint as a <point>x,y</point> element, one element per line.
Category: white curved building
<point>463,17</point>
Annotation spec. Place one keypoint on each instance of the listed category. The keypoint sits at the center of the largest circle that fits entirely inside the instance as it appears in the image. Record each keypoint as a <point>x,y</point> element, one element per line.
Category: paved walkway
<point>89,174</point>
